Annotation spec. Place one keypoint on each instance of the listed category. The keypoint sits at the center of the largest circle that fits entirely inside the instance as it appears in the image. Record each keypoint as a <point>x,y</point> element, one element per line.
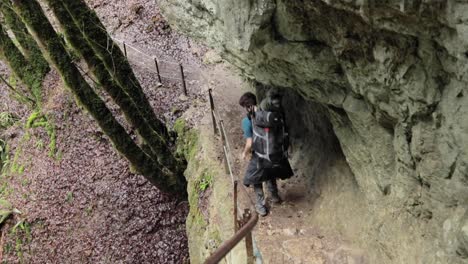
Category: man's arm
<point>248,135</point>
<point>247,148</point>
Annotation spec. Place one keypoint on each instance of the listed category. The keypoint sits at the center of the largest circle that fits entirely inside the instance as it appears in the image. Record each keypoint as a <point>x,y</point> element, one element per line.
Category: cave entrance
<point>314,145</point>
<point>319,197</point>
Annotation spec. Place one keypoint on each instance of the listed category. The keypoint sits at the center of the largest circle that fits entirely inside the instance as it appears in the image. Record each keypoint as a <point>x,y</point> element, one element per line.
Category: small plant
<point>7,120</point>
<point>25,182</point>
<point>69,197</point>
<point>205,182</point>
<point>39,144</point>
<point>88,210</point>
<point>5,190</point>
<point>21,169</point>
<point>6,210</point>
<point>22,232</point>
<point>59,155</point>
<point>24,226</point>
<point>3,155</point>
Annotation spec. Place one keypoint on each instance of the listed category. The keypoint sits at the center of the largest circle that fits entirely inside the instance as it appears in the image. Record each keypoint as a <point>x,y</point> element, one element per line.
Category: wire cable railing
<point>164,69</point>
<point>242,226</point>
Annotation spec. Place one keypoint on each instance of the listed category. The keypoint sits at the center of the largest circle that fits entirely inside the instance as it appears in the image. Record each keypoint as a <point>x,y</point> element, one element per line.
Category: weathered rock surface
<point>392,78</point>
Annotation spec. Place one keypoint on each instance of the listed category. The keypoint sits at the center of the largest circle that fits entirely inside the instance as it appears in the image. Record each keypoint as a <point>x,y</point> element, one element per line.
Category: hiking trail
<point>287,234</point>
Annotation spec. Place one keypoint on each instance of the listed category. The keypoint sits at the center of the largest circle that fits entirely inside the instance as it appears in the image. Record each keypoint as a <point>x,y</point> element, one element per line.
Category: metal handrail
<point>246,229</point>
<point>228,245</point>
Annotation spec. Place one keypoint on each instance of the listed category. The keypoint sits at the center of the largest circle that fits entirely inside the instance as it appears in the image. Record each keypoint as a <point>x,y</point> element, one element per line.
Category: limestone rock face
<point>392,78</point>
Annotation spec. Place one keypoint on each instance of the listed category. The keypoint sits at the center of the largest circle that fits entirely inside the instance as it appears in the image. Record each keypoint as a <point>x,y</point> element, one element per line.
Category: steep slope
<point>84,204</point>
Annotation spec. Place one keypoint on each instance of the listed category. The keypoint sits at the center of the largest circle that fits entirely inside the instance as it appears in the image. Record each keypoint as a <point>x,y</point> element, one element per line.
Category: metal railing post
<point>157,69</point>
<point>183,78</point>
<point>212,112</point>
<point>236,225</point>
<point>248,239</point>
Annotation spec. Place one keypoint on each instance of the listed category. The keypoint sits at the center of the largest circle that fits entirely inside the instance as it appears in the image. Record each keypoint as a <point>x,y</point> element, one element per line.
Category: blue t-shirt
<point>247,128</point>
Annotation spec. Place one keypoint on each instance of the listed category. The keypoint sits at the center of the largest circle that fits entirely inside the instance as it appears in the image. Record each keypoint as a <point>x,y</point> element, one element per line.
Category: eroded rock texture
<point>392,76</point>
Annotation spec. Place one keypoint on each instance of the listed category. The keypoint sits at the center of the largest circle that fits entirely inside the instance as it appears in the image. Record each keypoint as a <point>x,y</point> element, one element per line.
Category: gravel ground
<point>84,205</point>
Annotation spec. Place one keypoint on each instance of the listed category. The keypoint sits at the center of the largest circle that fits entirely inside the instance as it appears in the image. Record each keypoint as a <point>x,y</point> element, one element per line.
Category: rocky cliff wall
<point>391,77</point>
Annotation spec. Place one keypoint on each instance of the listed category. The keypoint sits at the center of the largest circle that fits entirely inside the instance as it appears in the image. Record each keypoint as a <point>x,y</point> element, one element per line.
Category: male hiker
<point>266,138</point>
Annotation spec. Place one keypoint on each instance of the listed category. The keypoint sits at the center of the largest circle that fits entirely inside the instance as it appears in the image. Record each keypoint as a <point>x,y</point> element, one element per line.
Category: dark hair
<point>248,99</point>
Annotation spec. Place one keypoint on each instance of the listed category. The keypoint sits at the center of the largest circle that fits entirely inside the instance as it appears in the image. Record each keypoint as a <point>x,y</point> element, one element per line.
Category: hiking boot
<point>275,199</point>
<point>261,210</point>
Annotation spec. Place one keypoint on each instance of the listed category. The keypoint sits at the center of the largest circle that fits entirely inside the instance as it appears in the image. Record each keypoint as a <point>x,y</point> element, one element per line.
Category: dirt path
<point>286,234</point>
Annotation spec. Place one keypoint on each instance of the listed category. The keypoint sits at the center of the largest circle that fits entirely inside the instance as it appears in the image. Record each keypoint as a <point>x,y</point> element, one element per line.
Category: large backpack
<point>270,136</point>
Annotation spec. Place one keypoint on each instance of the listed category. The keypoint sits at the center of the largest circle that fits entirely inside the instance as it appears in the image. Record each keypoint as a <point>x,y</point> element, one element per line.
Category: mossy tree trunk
<point>37,23</point>
<point>30,48</point>
<point>18,63</point>
<point>157,143</point>
<point>113,58</point>
<point>37,64</point>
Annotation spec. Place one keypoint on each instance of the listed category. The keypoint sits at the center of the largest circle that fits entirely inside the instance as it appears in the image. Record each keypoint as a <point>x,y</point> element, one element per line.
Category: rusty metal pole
<point>125,49</point>
<point>183,78</point>
<point>157,69</point>
<point>212,106</point>
<point>248,240</point>
<point>236,226</point>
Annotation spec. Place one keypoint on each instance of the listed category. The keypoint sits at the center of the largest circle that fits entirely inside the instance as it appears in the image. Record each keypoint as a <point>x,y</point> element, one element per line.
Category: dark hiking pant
<point>272,187</point>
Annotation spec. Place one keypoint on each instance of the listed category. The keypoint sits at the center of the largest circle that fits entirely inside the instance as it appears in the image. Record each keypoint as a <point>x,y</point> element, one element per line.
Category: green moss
<point>37,119</point>
<point>179,126</point>
<point>25,41</point>
<point>35,115</point>
<point>186,140</point>
<point>187,146</point>
<point>32,68</point>
<point>20,169</point>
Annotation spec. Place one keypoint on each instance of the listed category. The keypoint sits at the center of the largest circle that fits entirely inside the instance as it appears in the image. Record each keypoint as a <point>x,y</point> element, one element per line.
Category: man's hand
<point>244,156</point>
